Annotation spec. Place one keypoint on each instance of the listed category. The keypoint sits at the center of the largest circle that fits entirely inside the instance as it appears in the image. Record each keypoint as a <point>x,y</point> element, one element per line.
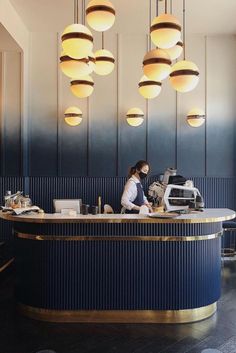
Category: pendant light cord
<point>102,40</point>
<point>165,6</point>
<point>149,45</point>
<point>184,27</point>
<point>171,7</point>
<point>76,11</point>
<point>157,4</point>
<point>83,12</point>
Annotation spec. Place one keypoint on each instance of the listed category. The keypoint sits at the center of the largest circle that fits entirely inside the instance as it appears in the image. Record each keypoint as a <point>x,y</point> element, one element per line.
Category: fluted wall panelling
<point>10,114</point>
<point>104,144</point>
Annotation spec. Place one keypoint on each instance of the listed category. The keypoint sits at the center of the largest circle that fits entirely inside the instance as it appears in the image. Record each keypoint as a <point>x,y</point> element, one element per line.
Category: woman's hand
<point>149,205</point>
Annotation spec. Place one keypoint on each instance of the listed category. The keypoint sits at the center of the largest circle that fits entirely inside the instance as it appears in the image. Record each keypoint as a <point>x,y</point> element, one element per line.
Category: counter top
<point>207,216</point>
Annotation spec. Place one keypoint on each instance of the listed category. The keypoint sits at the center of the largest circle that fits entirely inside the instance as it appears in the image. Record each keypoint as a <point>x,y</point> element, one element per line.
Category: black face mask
<point>142,175</point>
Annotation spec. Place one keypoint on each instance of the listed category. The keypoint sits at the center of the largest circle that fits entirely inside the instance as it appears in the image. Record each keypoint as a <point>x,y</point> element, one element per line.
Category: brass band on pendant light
<point>77,40</point>
<point>196,117</point>
<point>73,116</point>
<point>135,117</point>
<point>184,75</point>
<point>100,15</point>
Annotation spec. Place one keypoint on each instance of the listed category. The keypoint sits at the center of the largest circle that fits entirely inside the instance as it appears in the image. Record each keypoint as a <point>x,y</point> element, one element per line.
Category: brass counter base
<point>119,316</point>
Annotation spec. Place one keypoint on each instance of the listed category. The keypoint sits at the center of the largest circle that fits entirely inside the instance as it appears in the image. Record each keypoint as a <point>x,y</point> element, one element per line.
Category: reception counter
<point>118,268</point>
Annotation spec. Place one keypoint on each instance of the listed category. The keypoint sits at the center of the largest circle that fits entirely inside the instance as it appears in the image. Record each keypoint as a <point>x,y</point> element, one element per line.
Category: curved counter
<point>118,268</point>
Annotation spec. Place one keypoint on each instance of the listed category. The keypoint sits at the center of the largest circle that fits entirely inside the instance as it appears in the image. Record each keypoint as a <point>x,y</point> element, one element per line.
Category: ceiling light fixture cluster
<point>165,34</point>
<point>77,60</point>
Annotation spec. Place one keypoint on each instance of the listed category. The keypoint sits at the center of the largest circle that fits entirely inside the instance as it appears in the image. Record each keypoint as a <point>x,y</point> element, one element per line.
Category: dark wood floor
<point>21,335</point>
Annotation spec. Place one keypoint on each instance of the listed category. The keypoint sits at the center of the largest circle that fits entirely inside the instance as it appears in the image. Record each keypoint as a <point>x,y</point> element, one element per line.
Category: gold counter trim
<point>7,264</point>
<point>119,316</point>
<point>117,238</point>
<point>51,219</point>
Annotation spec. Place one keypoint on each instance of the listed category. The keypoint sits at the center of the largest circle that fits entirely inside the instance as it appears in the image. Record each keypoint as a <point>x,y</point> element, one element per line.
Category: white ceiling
<point>203,16</point>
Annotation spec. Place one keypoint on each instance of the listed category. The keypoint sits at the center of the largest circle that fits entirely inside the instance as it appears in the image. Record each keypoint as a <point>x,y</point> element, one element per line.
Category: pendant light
<point>82,87</point>
<point>100,15</point>
<point>156,64</point>
<point>165,30</point>
<point>77,67</point>
<point>149,89</point>
<point>77,40</point>
<point>196,117</point>
<point>105,61</point>
<point>73,116</point>
<point>175,51</point>
<point>135,117</point>
<point>184,75</point>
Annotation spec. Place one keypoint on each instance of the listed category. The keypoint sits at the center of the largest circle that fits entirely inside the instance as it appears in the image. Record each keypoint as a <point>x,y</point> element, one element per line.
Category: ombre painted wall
<point>104,145</point>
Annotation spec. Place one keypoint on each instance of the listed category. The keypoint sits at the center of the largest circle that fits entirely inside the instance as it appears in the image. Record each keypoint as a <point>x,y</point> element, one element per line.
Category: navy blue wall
<point>77,156</point>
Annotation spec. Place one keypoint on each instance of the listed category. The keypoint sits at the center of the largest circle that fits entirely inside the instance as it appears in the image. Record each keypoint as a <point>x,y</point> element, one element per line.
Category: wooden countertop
<point>209,215</point>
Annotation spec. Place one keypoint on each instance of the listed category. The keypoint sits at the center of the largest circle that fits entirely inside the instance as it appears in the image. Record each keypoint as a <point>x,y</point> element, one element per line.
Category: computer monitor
<point>63,204</point>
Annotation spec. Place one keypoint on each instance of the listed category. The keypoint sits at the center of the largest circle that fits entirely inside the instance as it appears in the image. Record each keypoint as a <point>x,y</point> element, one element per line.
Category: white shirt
<point>130,193</point>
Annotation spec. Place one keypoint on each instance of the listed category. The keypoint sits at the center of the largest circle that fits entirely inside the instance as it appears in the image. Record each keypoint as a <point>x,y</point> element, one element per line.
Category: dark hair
<point>138,166</point>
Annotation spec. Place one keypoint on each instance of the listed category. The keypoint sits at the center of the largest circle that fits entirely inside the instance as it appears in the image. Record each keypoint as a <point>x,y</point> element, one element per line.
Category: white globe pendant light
<point>156,65</point>
<point>196,117</point>
<point>149,89</point>
<point>77,41</point>
<point>184,76</point>
<point>73,116</point>
<point>135,117</point>
<point>83,87</point>
<point>165,31</point>
<point>105,62</point>
<point>175,51</point>
<point>100,15</point>
<point>77,67</point>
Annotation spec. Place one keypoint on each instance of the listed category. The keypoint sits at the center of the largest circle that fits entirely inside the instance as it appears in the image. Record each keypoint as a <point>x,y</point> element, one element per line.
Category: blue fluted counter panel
<point>100,274</point>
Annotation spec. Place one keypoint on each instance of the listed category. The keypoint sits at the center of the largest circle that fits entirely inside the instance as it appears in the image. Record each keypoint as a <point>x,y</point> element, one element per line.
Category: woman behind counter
<point>133,196</point>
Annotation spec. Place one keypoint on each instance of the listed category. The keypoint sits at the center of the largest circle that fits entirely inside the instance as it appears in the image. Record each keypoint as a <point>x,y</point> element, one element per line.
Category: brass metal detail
<point>77,35</point>
<point>149,83</point>
<point>100,8</point>
<point>46,218</point>
<point>81,82</point>
<point>68,58</point>
<point>135,115</point>
<point>184,72</point>
<point>69,115</point>
<point>196,116</point>
<point>105,58</point>
<point>7,264</point>
<point>162,25</point>
<point>119,316</point>
<point>157,61</point>
<point>117,238</point>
